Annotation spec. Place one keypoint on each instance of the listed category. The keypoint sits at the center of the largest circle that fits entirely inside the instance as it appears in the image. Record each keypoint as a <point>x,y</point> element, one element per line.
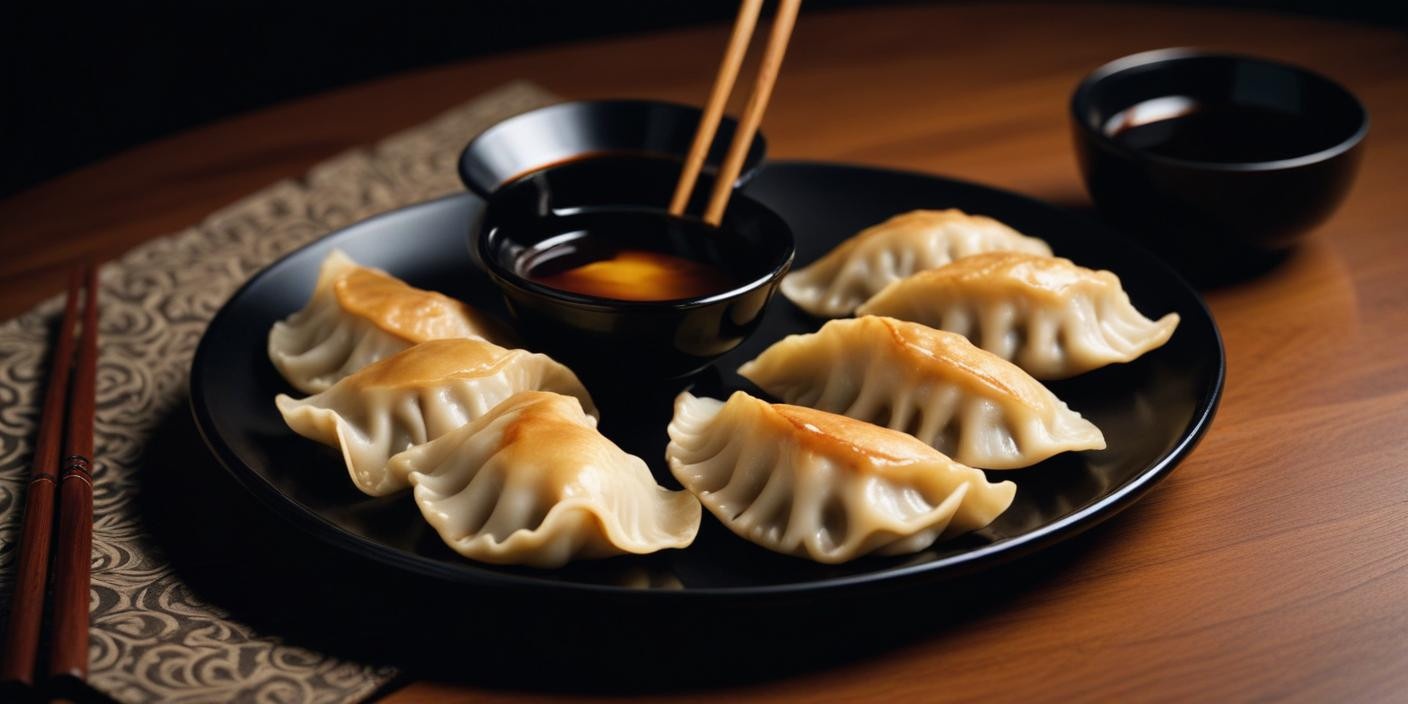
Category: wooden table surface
<point>1273,564</point>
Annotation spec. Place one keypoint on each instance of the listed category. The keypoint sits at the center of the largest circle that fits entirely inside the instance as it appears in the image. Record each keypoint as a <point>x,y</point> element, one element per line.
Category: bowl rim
<point>506,277</point>
<point>1084,91</point>
<point>750,166</point>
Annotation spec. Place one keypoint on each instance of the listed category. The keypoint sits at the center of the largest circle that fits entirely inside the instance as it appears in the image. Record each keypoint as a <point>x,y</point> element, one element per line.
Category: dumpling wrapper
<point>965,402</point>
<point>533,482</point>
<point>1052,318</point>
<point>359,315</point>
<point>415,396</point>
<point>879,255</point>
<point>823,486</point>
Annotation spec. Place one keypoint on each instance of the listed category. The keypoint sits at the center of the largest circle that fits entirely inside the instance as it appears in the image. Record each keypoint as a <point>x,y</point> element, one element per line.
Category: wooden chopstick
<point>69,637</point>
<point>782,26</point>
<point>748,12</point>
<point>20,654</point>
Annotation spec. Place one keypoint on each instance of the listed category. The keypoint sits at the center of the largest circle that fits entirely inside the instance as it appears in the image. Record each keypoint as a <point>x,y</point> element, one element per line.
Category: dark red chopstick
<point>18,657</point>
<point>74,480</point>
<point>69,637</point>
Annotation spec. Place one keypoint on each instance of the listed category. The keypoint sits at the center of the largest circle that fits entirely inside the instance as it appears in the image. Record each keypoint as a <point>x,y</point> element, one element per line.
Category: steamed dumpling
<point>965,402</point>
<point>820,485</point>
<point>881,254</point>
<point>533,482</point>
<point>1051,317</point>
<point>358,315</point>
<point>416,396</point>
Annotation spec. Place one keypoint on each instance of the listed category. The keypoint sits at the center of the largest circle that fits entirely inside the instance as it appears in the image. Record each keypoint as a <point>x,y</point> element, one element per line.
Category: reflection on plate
<point>1152,411</point>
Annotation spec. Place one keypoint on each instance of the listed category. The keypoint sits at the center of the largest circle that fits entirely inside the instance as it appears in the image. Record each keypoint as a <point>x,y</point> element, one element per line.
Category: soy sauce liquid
<point>1224,133</point>
<point>602,259</point>
<point>576,241</point>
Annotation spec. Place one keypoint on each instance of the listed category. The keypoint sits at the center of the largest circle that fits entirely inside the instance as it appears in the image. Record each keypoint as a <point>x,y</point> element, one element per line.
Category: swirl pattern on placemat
<point>152,639</point>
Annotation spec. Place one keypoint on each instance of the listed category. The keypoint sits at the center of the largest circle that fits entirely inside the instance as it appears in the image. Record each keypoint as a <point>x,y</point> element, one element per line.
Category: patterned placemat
<point>153,637</point>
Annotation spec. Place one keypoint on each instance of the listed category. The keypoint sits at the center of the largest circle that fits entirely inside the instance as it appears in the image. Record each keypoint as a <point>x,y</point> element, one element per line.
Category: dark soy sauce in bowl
<point>1181,128</point>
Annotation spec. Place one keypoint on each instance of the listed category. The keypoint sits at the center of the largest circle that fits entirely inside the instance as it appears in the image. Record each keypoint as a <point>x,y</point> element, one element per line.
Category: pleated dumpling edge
<point>417,395</point>
<point>822,486</point>
<point>1052,318</point>
<point>966,402</point>
<point>533,482</point>
<point>918,240</point>
<point>358,315</point>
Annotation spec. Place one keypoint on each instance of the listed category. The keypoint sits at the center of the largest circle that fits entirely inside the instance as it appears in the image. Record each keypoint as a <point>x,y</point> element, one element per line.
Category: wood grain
<point>769,65</point>
<point>1272,565</point>
<point>734,53</point>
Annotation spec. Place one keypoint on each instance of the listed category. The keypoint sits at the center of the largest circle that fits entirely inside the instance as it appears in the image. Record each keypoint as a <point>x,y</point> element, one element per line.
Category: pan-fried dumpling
<point>820,485</point>
<point>967,403</point>
<point>358,315</point>
<point>416,396</point>
<point>1051,317</point>
<point>533,482</point>
<point>881,254</point>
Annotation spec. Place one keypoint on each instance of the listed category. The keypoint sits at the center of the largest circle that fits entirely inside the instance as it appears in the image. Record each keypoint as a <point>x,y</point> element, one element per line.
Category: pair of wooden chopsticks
<point>67,419</point>
<point>752,114</point>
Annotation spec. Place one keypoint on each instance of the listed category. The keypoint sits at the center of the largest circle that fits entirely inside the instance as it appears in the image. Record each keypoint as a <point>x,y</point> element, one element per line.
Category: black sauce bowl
<point>604,337</point>
<point>1213,216</point>
<point>540,138</point>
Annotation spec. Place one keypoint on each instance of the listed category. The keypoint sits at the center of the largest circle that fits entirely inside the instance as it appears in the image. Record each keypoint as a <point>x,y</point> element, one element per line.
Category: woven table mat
<point>153,636</point>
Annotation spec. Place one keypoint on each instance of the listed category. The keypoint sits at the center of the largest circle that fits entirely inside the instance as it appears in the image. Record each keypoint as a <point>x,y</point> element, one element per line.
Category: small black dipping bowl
<point>540,138</point>
<point>640,339</point>
<point>610,168</point>
<point>1211,201</point>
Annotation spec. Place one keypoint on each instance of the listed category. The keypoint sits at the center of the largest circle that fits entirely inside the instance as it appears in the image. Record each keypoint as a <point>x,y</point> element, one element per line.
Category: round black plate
<point>1152,411</point>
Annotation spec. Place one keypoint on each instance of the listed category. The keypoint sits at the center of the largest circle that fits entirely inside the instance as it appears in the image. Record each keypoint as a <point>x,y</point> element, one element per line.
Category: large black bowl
<point>1206,214</point>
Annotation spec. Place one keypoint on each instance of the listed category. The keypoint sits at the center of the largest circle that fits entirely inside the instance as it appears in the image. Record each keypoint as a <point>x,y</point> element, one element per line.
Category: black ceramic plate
<point>1152,411</point>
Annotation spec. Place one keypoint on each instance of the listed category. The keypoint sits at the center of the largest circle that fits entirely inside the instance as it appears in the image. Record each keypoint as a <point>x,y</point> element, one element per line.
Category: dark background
<point>78,83</point>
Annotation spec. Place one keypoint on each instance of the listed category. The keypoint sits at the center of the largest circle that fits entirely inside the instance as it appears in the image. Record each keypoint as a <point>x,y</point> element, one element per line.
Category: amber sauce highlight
<point>637,275</point>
